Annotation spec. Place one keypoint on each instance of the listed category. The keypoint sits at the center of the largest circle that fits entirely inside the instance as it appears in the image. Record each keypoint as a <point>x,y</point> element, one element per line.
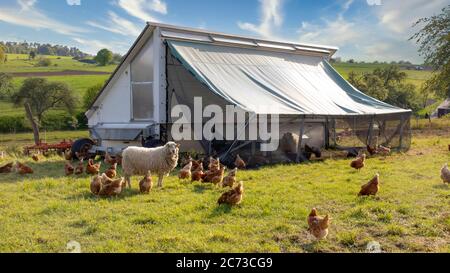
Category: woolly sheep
<point>160,161</point>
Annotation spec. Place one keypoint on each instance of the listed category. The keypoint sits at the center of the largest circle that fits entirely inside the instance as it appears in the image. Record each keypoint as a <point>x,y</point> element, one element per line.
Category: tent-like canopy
<point>271,82</point>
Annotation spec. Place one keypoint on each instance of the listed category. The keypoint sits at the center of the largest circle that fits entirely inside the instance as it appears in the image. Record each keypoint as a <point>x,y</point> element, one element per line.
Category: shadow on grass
<point>201,188</point>
<point>87,195</point>
<point>220,210</point>
<point>442,186</point>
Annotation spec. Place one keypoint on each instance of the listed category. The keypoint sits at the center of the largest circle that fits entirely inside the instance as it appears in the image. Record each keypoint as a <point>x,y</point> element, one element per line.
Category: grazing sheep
<point>160,161</point>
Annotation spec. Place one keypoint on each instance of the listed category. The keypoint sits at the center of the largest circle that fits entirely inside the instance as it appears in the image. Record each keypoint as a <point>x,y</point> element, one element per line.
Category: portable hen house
<point>169,65</point>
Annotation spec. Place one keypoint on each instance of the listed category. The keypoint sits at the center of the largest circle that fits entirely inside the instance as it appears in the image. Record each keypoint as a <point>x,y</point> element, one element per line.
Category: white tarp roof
<point>269,82</point>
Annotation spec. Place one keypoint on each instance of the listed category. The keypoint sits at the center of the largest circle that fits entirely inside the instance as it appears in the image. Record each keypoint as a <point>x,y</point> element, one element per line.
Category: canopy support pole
<point>300,138</point>
<point>369,135</point>
<point>402,124</point>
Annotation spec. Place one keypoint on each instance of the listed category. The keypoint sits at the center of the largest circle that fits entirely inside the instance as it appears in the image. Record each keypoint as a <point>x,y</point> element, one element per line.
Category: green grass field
<point>415,77</point>
<point>79,85</point>
<point>43,211</point>
<point>20,63</point>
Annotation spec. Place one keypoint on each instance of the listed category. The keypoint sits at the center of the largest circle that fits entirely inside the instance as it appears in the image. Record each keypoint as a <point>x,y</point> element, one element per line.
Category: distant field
<point>415,77</point>
<point>79,84</point>
<point>20,63</point>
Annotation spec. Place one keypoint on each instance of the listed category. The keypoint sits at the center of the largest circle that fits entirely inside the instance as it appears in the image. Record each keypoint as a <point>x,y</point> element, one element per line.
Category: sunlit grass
<point>42,212</point>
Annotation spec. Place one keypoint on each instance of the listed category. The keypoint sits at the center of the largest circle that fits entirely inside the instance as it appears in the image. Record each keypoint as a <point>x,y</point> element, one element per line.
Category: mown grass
<point>21,63</point>
<point>42,212</point>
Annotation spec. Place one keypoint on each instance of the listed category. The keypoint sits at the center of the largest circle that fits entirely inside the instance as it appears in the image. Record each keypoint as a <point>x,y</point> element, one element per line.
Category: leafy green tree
<point>32,55</point>
<point>6,86</point>
<point>117,58</point>
<point>104,57</point>
<point>370,84</point>
<point>391,75</point>
<point>387,84</point>
<point>42,96</point>
<point>90,95</point>
<point>434,46</point>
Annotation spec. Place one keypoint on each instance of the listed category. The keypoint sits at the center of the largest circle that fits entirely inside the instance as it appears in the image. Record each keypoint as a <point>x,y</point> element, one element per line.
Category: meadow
<point>21,63</point>
<point>43,211</point>
<point>416,77</point>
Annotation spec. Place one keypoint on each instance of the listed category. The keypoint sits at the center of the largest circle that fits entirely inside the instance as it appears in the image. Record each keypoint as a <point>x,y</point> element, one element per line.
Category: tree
<point>6,86</point>
<point>104,57</point>
<point>2,54</point>
<point>369,83</point>
<point>117,58</point>
<point>91,94</point>
<point>434,46</point>
<point>387,84</point>
<point>42,96</point>
<point>32,55</point>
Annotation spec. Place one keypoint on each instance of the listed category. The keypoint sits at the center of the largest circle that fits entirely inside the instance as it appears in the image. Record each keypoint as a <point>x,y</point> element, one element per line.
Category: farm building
<point>169,66</point>
<point>443,109</point>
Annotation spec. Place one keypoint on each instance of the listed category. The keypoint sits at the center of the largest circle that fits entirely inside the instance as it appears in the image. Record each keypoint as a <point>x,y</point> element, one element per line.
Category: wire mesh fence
<point>305,138</point>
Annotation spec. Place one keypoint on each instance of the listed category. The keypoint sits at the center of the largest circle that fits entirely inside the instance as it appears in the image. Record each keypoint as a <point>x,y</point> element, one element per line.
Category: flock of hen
<point>106,184</point>
<point>215,174</point>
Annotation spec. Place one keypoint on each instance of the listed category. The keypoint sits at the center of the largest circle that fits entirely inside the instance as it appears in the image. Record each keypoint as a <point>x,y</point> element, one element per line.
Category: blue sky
<point>363,29</point>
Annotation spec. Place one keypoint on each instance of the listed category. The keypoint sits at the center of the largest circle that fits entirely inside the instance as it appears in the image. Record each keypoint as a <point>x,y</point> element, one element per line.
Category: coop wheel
<point>81,146</point>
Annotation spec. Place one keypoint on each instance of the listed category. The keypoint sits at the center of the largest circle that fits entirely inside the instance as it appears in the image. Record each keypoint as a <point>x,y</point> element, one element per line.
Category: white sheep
<point>160,161</point>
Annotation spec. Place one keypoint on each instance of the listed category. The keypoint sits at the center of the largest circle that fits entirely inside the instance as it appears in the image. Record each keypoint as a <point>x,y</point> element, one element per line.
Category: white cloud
<point>271,18</point>
<point>380,33</point>
<point>399,16</point>
<point>158,6</point>
<point>73,2</point>
<point>93,46</point>
<point>27,15</point>
<point>26,4</point>
<point>142,9</point>
<point>117,24</point>
<point>337,33</point>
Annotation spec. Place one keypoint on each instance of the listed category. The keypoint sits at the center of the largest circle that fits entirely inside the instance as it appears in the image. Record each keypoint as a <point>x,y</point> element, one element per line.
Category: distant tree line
<point>42,49</point>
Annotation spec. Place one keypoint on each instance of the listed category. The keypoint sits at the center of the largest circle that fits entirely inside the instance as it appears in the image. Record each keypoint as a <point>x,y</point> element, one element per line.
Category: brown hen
<point>359,162</point>
<point>6,168</point>
<point>112,171</point>
<point>23,169</point>
<point>239,163</point>
<point>146,184</point>
<point>318,225</point>
<point>230,179</point>
<point>371,188</point>
<point>68,168</point>
<point>92,168</point>
<point>233,196</point>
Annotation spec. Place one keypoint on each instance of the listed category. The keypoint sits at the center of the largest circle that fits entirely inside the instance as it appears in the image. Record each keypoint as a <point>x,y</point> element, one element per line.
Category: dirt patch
<point>58,73</point>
